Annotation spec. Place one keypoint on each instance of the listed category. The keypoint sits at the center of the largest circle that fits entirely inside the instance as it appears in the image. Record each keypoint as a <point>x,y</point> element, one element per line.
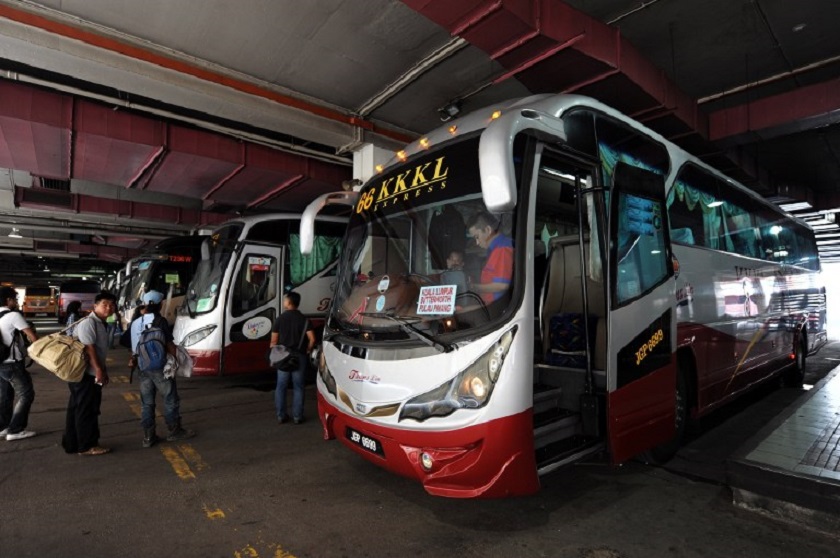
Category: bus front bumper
<point>490,460</point>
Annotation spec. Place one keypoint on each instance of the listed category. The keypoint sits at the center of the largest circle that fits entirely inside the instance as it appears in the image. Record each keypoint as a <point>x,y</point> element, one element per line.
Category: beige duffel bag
<point>62,355</point>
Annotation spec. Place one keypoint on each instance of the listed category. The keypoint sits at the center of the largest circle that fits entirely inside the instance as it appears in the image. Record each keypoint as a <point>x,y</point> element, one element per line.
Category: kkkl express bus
<point>636,288</point>
<point>236,293</point>
<point>167,268</point>
<point>39,300</point>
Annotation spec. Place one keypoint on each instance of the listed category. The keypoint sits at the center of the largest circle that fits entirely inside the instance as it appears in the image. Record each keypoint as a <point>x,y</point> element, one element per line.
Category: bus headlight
<point>326,375</point>
<point>471,389</point>
<point>198,335</point>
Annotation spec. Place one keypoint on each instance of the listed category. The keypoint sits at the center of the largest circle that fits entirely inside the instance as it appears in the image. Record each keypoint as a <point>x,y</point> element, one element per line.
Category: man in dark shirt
<point>288,330</point>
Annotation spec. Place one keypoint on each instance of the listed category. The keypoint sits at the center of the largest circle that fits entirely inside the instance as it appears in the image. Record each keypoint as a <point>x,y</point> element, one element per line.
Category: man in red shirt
<point>497,273</point>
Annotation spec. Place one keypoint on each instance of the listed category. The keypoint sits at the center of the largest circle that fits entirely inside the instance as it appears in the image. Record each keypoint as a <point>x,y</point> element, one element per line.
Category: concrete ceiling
<point>122,122</point>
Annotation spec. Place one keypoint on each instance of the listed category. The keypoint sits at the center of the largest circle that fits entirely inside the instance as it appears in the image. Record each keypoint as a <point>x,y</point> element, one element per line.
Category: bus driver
<point>497,273</point>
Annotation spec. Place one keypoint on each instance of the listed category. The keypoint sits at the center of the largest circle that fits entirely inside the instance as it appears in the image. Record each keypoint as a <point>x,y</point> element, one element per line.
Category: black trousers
<point>81,429</point>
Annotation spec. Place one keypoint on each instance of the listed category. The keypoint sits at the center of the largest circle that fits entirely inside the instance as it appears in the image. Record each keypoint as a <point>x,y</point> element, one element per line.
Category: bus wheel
<point>663,453</point>
<point>795,375</point>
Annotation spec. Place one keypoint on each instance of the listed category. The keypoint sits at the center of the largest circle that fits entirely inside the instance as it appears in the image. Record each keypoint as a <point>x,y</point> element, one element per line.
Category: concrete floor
<point>248,487</point>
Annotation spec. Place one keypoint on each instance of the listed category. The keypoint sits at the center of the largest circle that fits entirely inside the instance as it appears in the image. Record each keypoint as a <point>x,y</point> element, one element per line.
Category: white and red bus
<point>646,289</point>
<point>167,268</point>
<point>236,292</point>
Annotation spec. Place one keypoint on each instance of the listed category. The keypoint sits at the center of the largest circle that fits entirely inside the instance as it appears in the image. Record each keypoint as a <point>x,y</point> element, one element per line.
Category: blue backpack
<point>151,347</point>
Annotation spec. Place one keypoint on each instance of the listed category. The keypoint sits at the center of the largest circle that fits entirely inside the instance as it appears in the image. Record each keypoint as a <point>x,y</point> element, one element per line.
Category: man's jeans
<point>151,383</point>
<point>298,379</point>
<point>15,380</point>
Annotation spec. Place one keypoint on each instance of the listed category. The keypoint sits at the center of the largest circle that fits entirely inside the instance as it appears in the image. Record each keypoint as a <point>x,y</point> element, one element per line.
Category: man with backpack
<point>151,342</point>
<point>14,378</point>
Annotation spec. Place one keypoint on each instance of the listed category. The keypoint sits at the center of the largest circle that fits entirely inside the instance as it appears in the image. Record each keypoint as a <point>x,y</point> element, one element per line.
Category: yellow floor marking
<point>178,464</point>
<point>213,514</point>
<point>248,551</point>
<point>192,456</point>
<point>280,553</point>
<point>135,408</point>
<point>131,396</point>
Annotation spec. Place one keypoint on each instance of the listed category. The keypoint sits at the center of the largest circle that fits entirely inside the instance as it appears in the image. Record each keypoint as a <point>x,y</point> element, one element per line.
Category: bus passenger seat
<point>562,318</point>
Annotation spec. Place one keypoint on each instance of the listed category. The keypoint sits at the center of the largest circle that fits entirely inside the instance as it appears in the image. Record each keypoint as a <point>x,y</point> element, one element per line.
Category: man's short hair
<point>105,295</point>
<point>294,298</point>
<point>6,293</point>
<point>483,219</point>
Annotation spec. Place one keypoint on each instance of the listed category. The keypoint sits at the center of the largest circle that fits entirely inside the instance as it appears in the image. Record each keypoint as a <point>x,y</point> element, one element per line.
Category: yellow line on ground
<point>247,551</point>
<point>178,464</point>
<point>131,396</point>
<point>213,514</point>
<point>280,553</point>
<point>191,455</point>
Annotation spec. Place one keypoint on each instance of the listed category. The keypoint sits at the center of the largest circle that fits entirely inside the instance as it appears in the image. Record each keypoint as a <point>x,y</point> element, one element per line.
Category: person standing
<point>497,273</point>
<point>153,381</point>
<point>81,431</point>
<point>288,330</point>
<point>14,378</point>
<point>74,313</point>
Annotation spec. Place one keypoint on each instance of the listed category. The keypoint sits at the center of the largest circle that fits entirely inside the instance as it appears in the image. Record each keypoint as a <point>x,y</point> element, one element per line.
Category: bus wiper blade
<point>342,330</point>
<point>409,328</point>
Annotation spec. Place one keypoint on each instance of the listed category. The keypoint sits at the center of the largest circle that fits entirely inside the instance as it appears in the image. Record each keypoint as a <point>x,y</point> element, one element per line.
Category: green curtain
<point>324,251</point>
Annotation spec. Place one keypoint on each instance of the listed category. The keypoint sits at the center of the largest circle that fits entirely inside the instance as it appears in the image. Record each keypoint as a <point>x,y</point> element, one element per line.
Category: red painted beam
<point>803,108</point>
<point>146,55</point>
<point>83,203</point>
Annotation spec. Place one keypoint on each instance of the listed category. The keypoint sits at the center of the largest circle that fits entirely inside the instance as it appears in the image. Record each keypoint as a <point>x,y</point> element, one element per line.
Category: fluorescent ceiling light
<point>795,206</point>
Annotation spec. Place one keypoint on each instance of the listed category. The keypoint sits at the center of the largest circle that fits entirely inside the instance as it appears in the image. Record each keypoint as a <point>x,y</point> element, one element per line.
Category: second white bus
<point>236,293</point>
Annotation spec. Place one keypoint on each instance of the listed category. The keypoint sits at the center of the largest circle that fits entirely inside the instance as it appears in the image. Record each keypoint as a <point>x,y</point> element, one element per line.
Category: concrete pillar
<point>366,158</point>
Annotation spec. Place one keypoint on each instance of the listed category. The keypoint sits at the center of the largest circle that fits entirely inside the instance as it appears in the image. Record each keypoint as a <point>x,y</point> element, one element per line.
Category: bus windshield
<point>422,256</point>
<point>216,252</point>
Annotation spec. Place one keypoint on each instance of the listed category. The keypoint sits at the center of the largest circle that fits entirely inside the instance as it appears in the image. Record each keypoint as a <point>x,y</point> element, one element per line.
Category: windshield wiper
<point>409,328</point>
<point>342,330</point>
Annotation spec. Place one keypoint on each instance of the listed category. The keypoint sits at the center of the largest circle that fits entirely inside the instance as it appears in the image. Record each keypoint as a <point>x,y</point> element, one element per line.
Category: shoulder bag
<point>62,355</point>
<point>281,357</point>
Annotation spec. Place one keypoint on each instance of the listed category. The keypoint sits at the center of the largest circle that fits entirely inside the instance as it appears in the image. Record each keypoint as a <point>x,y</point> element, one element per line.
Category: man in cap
<point>153,381</point>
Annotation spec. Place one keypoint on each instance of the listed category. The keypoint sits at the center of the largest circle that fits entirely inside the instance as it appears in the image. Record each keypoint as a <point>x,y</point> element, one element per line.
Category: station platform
<point>790,469</point>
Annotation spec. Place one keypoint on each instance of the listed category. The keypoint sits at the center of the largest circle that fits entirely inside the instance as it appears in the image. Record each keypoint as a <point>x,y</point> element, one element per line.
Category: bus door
<point>252,304</point>
<point>641,382</point>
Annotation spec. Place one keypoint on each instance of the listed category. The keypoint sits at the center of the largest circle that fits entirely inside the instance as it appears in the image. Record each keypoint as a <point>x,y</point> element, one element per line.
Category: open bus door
<point>642,380</point>
<point>253,303</point>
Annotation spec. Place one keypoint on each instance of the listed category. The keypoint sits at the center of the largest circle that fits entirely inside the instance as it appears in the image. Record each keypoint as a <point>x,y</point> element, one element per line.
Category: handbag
<point>281,357</point>
<point>62,355</point>
<point>181,364</point>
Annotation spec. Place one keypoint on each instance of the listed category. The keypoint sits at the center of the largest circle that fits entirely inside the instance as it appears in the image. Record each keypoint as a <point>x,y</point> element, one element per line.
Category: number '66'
<point>364,202</point>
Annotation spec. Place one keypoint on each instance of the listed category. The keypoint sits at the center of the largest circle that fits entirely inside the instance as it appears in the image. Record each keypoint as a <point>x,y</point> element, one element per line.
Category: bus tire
<point>794,376</point>
<point>665,452</point>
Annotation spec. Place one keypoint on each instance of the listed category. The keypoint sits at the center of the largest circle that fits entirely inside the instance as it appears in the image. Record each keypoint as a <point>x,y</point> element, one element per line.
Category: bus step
<point>546,399</point>
<point>563,428</point>
<point>567,452</point>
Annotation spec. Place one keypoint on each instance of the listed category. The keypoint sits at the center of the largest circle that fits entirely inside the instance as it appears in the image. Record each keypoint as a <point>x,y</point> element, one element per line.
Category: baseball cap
<point>152,297</point>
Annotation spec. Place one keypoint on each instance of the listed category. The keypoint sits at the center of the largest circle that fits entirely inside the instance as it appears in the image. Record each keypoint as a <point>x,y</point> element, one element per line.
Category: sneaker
<point>19,435</point>
<point>300,420</point>
<point>4,432</point>
<point>283,420</point>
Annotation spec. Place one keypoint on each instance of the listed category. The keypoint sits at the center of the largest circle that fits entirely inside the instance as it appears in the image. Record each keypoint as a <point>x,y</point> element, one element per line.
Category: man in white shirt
<point>14,378</point>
